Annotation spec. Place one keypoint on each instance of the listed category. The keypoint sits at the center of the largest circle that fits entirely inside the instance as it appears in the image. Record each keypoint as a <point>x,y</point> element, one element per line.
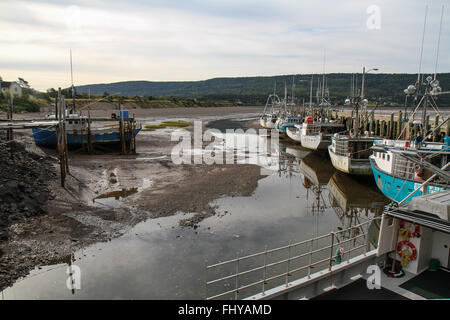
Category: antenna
<point>323,75</point>
<point>421,49</point>
<point>71,71</point>
<point>439,42</point>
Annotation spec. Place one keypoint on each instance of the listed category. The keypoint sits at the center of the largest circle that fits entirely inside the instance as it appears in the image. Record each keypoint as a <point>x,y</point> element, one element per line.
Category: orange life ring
<point>409,244</point>
<point>411,234</point>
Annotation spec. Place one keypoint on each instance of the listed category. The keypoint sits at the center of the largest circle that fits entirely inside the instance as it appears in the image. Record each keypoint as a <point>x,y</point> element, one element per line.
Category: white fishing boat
<point>294,132</point>
<point>351,155</point>
<point>317,135</point>
<point>271,112</point>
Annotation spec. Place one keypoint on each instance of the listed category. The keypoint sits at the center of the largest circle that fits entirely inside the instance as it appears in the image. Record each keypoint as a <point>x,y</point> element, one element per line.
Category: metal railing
<point>403,168</point>
<point>242,272</point>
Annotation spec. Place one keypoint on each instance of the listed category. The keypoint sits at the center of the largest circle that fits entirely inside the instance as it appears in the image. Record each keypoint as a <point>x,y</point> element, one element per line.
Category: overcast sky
<point>162,40</point>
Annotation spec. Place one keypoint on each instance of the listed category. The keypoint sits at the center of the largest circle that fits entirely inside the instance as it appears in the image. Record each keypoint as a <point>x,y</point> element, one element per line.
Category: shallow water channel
<point>158,259</point>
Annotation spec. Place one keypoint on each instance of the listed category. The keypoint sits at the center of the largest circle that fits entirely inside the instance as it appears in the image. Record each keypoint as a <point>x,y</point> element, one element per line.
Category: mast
<point>311,92</point>
<point>323,75</point>
<point>71,79</point>
<point>419,80</point>
<point>439,42</point>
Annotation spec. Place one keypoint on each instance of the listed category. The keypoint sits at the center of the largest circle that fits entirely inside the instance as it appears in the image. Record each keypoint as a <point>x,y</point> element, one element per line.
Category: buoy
<point>401,252</point>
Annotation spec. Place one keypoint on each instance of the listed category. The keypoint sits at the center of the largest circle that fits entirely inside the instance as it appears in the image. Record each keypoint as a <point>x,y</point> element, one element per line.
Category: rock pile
<point>24,184</point>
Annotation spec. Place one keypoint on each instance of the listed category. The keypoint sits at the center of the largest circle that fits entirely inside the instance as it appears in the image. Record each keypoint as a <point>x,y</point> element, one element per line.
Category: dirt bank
<point>106,195</point>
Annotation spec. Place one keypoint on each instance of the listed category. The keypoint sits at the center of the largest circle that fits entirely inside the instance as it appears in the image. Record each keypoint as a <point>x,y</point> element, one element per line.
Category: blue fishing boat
<point>287,121</point>
<point>399,169</point>
<point>78,127</point>
<point>404,169</point>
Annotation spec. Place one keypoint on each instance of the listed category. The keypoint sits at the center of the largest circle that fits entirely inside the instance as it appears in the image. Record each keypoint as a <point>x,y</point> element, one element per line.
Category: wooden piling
<point>399,124</point>
<point>9,132</point>
<point>60,132</point>
<point>391,127</point>
<point>436,133</point>
<point>89,134</point>
<point>427,126</point>
<point>122,129</point>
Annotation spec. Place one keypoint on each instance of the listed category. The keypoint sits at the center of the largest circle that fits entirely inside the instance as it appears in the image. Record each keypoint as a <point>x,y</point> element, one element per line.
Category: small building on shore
<point>10,88</point>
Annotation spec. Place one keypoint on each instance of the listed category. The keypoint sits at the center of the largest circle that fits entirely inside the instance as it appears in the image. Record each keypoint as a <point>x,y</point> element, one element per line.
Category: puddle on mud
<point>113,199</point>
<point>158,259</point>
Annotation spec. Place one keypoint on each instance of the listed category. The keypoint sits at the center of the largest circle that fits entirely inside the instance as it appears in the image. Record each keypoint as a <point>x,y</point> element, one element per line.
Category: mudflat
<point>106,194</point>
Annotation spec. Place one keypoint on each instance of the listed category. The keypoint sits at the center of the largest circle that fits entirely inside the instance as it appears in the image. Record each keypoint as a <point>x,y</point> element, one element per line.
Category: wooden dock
<point>393,126</point>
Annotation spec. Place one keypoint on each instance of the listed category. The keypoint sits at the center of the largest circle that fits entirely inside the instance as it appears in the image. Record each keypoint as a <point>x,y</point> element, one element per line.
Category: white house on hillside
<point>10,87</point>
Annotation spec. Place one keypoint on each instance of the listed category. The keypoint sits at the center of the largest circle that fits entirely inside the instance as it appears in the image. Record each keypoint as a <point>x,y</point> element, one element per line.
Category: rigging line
<point>439,42</point>
<point>411,116</point>
<point>421,49</point>
<point>71,71</point>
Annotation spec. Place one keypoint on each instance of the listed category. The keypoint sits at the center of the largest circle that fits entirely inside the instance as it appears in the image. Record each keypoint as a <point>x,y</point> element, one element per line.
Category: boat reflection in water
<point>354,202</point>
<point>316,172</point>
<point>298,153</point>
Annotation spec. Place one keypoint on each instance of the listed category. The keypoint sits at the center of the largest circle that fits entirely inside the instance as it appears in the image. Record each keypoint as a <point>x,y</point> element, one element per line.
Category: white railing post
<point>288,261</point>
<point>206,279</point>
<point>331,250</point>
<point>264,271</point>
<point>237,277</point>
<point>310,258</point>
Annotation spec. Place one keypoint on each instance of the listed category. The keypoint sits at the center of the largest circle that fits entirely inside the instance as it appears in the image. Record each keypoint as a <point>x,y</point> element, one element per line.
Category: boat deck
<point>427,285</point>
<point>358,291</point>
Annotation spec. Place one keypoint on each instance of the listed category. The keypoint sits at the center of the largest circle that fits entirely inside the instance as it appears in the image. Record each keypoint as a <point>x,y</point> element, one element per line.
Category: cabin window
<point>383,156</point>
<point>390,221</point>
<point>388,157</point>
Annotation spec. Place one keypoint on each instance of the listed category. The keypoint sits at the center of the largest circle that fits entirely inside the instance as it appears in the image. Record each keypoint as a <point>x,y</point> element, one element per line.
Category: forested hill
<point>381,87</point>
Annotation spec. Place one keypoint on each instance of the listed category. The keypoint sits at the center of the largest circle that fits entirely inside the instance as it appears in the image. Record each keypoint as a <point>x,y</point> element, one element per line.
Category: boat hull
<point>262,122</point>
<point>294,134</point>
<point>398,189</point>
<point>48,137</point>
<point>349,165</point>
<point>314,142</point>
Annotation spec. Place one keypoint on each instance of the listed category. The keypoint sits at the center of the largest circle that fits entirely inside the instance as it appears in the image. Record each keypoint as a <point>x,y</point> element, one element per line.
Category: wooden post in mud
<point>133,136</point>
<point>122,129</point>
<point>66,147</point>
<point>391,127</point>
<point>9,132</point>
<point>399,125</point>
<point>377,127</point>
<point>408,130</point>
<point>60,138</point>
<point>426,127</point>
<point>89,136</point>
<point>436,134</point>
<point>83,144</point>
<point>372,124</point>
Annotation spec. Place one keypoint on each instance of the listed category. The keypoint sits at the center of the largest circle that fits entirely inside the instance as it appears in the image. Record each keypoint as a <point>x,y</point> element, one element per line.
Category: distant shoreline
<point>153,112</point>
